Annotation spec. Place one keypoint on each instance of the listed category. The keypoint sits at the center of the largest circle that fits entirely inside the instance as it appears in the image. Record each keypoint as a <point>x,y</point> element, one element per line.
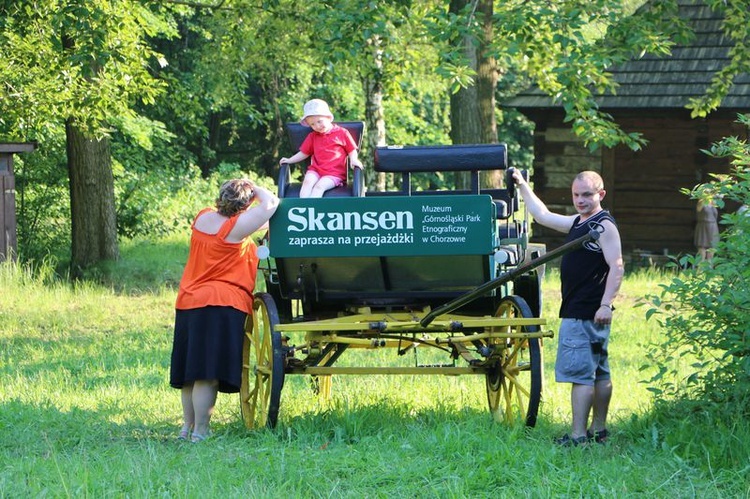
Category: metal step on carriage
<point>445,270</point>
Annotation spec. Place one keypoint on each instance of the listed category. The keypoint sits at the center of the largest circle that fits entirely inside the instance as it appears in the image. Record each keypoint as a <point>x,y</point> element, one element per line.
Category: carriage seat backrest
<point>471,158</point>
<point>454,158</point>
<point>296,132</point>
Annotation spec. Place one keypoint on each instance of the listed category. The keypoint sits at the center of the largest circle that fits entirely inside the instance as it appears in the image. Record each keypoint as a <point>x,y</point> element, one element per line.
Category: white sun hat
<point>315,107</point>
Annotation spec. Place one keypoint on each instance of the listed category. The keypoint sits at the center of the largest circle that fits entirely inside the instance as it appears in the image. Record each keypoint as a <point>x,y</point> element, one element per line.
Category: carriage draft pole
<point>485,288</point>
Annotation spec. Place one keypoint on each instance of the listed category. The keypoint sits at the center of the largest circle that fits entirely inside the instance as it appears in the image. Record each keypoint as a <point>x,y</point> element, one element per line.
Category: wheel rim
<point>514,376</point>
<point>263,366</point>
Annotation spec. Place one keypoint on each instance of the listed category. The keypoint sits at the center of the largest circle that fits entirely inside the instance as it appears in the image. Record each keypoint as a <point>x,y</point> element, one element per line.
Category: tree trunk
<point>92,200</point>
<point>372,85</point>
<point>473,109</point>
<point>486,84</point>
<point>465,119</point>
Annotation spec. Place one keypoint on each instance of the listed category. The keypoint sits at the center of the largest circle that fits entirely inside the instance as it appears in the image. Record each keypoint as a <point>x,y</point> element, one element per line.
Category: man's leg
<point>581,399</point>
<point>602,396</point>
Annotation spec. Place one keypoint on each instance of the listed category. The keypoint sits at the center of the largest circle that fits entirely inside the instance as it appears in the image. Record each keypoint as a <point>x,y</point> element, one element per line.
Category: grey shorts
<point>582,352</point>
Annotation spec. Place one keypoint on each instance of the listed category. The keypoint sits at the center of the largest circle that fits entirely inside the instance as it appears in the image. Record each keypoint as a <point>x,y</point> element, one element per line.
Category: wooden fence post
<point>8,236</point>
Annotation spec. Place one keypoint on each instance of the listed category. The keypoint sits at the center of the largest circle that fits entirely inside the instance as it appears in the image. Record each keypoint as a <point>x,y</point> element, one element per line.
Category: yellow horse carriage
<point>444,270</point>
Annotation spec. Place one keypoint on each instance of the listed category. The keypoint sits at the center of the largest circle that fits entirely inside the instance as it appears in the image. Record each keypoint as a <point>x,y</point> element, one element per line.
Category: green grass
<point>86,411</point>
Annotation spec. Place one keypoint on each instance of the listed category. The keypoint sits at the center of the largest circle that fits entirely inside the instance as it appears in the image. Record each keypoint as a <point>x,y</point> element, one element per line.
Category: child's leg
<point>325,184</point>
<point>311,178</point>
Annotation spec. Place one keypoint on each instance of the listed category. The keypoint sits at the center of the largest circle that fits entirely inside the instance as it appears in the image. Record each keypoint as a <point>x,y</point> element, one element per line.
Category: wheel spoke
<point>514,382</point>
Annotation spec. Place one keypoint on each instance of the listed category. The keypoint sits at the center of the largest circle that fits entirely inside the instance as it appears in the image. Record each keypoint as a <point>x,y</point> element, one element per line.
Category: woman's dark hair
<point>234,196</point>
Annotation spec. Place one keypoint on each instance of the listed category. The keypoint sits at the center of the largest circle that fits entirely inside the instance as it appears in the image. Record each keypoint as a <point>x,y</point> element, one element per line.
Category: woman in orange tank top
<point>214,299</point>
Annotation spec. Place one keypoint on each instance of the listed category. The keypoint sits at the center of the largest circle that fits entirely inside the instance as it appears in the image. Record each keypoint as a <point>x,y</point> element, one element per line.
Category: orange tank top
<point>218,272</point>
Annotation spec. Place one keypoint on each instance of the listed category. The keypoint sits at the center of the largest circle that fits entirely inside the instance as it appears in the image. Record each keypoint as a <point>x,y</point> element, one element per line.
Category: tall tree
<point>92,198</point>
<point>473,107</point>
<point>466,127</point>
<point>81,66</point>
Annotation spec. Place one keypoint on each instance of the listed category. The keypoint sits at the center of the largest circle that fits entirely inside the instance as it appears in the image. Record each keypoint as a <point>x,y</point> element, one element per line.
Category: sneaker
<point>600,437</point>
<point>568,441</point>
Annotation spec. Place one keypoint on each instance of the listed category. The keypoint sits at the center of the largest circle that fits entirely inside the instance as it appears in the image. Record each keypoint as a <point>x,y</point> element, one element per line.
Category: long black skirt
<point>207,345</point>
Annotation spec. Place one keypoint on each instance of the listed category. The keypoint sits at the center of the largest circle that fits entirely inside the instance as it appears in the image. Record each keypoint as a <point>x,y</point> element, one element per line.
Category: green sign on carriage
<point>383,226</point>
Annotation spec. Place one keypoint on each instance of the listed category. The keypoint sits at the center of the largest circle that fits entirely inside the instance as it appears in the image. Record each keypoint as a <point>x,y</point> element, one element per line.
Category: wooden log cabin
<point>643,187</point>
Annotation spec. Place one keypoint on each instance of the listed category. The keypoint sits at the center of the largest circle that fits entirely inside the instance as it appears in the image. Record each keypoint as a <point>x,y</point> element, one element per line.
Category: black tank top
<point>583,271</point>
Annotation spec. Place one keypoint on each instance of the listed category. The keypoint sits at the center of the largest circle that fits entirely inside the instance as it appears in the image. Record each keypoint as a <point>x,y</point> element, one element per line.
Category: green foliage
<point>736,28</point>
<point>161,202</point>
<point>705,310</point>
<point>43,202</point>
<point>80,61</point>
<point>217,71</point>
<point>566,48</point>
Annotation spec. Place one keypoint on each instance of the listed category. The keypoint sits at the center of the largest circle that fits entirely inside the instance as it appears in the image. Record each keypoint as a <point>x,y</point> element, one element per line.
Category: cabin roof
<point>667,82</point>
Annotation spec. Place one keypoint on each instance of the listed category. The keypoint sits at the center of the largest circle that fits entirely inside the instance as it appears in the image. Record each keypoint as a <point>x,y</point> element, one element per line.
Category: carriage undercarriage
<point>505,349</point>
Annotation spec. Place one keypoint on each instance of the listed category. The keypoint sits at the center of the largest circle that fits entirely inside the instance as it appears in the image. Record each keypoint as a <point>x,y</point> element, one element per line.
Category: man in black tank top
<point>590,279</point>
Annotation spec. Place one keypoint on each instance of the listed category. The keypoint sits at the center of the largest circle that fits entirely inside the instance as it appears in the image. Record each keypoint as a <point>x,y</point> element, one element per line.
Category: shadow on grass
<point>40,431</point>
<point>386,420</point>
<point>143,266</point>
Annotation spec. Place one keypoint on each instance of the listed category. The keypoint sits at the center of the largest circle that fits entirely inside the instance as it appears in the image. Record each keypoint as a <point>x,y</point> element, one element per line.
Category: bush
<point>705,310</point>
<point>159,191</point>
<point>43,202</point>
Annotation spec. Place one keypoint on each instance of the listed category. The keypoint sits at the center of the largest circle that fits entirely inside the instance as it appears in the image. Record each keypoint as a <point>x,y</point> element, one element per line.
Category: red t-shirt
<point>218,272</point>
<point>328,151</point>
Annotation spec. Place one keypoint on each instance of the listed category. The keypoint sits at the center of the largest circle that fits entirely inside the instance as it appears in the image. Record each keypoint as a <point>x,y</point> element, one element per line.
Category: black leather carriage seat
<point>472,158</point>
<point>289,187</point>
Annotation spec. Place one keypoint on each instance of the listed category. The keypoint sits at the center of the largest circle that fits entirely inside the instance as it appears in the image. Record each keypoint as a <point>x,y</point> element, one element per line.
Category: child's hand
<point>283,160</point>
<point>355,163</point>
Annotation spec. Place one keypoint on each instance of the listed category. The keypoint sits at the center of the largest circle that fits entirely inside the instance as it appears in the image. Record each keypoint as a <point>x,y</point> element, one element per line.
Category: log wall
<point>643,187</point>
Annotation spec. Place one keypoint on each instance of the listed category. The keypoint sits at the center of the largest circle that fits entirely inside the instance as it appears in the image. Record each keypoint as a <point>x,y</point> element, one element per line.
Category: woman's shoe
<point>197,437</point>
<point>184,433</point>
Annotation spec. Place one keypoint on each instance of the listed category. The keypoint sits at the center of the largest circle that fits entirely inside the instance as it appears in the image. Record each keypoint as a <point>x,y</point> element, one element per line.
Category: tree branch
<point>198,5</point>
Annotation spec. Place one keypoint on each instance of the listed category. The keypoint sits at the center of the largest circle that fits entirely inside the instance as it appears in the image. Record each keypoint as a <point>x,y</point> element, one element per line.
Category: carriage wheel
<point>514,381</point>
<point>262,366</point>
